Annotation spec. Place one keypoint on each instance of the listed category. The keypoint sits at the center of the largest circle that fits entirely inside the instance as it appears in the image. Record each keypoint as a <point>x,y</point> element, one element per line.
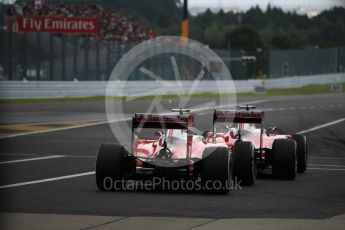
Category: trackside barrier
<point>61,89</point>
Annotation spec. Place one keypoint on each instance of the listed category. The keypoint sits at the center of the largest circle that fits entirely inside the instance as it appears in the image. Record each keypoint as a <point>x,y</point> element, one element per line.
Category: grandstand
<point>66,56</point>
<point>113,25</point>
<point>69,2</point>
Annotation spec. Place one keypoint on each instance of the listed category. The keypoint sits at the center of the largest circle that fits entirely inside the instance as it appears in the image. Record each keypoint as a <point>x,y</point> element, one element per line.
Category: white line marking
<point>81,156</point>
<point>28,154</point>
<point>199,109</point>
<point>17,154</point>
<point>327,165</point>
<point>30,159</point>
<point>49,123</point>
<point>47,180</point>
<point>328,158</point>
<point>327,169</point>
<point>322,126</point>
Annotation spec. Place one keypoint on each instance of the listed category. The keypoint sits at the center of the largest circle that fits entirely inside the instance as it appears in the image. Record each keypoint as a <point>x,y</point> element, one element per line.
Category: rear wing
<point>252,117</point>
<point>157,121</point>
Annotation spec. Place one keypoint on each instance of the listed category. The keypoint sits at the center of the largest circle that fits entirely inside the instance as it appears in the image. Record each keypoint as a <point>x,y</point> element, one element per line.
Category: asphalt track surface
<point>317,194</point>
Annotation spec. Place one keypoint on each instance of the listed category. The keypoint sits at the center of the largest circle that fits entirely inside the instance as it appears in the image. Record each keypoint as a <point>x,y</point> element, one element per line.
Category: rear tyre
<point>110,166</point>
<point>215,170</point>
<point>244,167</point>
<point>284,159</point>
<point>302,152</point>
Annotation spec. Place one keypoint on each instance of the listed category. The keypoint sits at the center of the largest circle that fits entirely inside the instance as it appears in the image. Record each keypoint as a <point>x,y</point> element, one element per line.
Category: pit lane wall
<point>61,89</point>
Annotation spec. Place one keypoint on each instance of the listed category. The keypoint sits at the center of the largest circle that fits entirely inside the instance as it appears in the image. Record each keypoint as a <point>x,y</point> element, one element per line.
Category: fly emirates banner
<point>80,25</point>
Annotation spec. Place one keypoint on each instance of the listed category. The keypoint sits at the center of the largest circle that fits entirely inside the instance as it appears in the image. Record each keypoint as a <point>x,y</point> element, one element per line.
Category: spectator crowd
<point>113,25</point>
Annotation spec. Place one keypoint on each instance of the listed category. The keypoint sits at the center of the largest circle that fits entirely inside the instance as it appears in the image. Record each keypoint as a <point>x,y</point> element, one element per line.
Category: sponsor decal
<point>260,89</point>
<point>234,114</point>
<point>163,118</point>
<point>336,87</point>
<point>80,25</point>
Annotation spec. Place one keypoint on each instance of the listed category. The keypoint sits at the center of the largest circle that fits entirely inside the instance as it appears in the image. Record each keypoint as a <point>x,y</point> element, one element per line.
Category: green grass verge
<point>305,90</point>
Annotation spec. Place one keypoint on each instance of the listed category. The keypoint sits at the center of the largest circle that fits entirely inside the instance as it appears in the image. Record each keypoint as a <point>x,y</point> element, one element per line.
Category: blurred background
<point>255,39</point>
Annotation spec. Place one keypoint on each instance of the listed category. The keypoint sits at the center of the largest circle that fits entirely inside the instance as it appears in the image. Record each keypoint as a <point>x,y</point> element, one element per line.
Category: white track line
<point>78,156</point>
<point>327,169</point>
<point>30,159</point>
<point>328,158</point>
<point>47,180</point>
<point>322,126</point>
<point>327,165</point>
<point>17,154</point>
<point>28,154</point>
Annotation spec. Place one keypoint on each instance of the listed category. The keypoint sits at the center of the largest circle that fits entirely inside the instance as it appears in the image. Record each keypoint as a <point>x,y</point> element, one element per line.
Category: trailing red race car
<point>164,146</point>
<point>256,149</point>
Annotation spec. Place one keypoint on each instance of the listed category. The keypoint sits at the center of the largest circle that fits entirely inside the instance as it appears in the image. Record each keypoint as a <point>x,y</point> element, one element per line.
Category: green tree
<point>244,38</point>
<point>158,14</point>
<point>214,36</point>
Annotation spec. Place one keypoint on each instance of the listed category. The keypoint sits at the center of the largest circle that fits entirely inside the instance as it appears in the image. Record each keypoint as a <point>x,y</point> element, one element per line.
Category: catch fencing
<point>47,57</point>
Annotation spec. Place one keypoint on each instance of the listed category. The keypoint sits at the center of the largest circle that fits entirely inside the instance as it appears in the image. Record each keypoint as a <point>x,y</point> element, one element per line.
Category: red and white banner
<point>79,25</point>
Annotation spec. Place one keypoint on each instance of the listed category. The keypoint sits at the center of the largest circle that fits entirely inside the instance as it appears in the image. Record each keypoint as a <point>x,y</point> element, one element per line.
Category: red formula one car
<point>164,146</point>
<point>254,149</point>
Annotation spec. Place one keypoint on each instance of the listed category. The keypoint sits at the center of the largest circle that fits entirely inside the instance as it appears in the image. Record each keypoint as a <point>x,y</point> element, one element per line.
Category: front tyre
<point>110,166</point>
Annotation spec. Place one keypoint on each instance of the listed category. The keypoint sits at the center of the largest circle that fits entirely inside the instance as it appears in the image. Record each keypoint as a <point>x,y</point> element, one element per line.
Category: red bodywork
<point>245,122</point>
<point>192,146</point>
<point>180,140</point>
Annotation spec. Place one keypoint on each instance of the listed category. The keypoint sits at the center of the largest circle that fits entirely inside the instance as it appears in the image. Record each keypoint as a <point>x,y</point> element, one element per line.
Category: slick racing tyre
<point>284,159</point>
<point>302,152</point>
<point>244,166</point>
<point>215,170</point>
<point>110,166</point>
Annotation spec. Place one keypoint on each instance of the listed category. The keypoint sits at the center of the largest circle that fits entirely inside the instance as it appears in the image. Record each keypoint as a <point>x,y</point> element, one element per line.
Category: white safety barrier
<point>60,89</point>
